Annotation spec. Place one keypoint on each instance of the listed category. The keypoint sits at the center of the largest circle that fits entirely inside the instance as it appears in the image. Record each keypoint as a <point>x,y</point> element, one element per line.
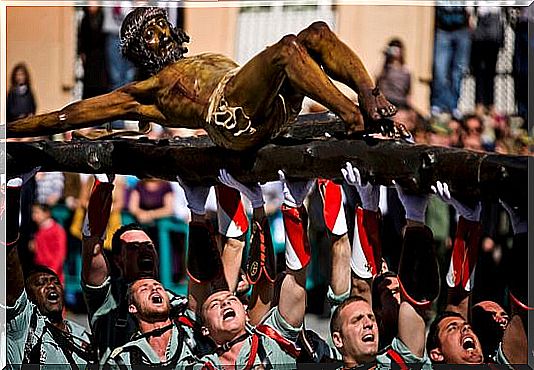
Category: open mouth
<point>145,263</point>
<point>52,296</point>
<point>228,314</point>
<point>156,299</point>
<point>468,344</point>
<point>367,338</point>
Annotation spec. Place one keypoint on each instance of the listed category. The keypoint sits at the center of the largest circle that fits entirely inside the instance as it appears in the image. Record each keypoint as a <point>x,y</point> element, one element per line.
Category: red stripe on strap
<point>208,366</point>
<point>420,304</point>
<point>397,359</point>
<point>520,304</point>
<point>458,253</point>
<point>229,200</point>
<point>253,351</point>
<point>295,224</point>
<point>332,201</point>
<point>367,248</point>
<point>185,321</point>
<point>285,344</point>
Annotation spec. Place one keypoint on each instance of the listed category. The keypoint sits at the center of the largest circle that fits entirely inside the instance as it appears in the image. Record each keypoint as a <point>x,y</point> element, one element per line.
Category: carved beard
<point>152,63</point>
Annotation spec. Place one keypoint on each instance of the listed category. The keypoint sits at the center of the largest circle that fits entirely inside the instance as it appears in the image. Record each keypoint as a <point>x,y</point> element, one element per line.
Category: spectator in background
<point>395,78</point>
<point>20,99</point>
<point>49,245</point>
<point>150,200</point>
<point>487,39</point>
<point>519,22</point>
<point>452,45</point>
<point>455,133</point>
<point>49,187</point>
<point>472,136</point>
<point>91,48</point>
<point>395,81</point>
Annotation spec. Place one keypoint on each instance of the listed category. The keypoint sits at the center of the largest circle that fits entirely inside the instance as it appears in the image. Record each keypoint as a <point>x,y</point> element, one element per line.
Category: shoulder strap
<point>136,354</point>
<point>264,360</point>
<point>396,358</point>
<point>121,322</point>
<point>253,351</point>
<point>184,320</point>
<point>68,345</point>
<point>285,344</point>
<point>30,352</point>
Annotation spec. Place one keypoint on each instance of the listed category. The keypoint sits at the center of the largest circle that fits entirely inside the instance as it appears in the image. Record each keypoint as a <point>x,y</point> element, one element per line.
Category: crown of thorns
<point>133,24</point>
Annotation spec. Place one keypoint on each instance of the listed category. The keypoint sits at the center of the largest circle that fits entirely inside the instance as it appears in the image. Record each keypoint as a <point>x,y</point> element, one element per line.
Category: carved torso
<point>187,86</point>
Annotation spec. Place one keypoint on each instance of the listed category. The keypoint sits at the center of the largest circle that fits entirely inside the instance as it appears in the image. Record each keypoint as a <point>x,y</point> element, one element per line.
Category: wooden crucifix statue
<point>239,107</point>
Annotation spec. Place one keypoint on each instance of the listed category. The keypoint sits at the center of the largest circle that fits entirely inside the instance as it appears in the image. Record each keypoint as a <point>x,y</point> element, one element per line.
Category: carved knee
<point>316,32</point>
<point>288,46</point>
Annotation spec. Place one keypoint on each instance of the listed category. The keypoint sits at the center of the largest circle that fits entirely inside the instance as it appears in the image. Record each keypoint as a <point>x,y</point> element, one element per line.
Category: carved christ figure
<point>239,107</point>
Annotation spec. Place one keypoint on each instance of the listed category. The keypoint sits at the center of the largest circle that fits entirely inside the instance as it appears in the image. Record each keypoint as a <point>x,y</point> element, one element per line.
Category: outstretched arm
<point>460,277</point>
<point>11,213</point>
<point>204,264</point>
<point>261,254</point>
<point>95,269</point>
<point>233,225</point>
<point>13,268</point>
<point>418,273</point>
<point>123,103</point>
<point>514,341</point>
<point>366,259</point>
<point>260,262</point>
<point>292,303</point>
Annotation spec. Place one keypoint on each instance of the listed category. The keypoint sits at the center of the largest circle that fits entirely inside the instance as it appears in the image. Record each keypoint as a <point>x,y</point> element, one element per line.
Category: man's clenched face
<point>149,301</point>
<point>138,257</point>
<point>224,317</point>
<point>358,338</point>
<point>458,343</point>
<point>46,291</point>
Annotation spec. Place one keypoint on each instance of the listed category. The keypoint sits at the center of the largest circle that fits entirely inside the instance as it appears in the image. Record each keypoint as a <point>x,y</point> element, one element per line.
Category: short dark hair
<point>432,341</point>
<point>116,243</point>
<point>335,321</point>
<point>39,269</point>
<point>43,207</point>
<point>129,291</point>
<point>472,117</point>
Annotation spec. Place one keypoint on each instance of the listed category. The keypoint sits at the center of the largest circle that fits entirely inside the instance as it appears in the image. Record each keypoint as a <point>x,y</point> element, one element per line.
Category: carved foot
<point>376,105</point>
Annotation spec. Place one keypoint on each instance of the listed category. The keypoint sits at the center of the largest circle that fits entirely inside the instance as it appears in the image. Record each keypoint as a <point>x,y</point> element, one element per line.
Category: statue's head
<point>149,41</point>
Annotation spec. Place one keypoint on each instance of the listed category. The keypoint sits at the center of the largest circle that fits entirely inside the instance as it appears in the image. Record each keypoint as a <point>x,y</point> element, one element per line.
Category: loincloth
<point>221,114</point>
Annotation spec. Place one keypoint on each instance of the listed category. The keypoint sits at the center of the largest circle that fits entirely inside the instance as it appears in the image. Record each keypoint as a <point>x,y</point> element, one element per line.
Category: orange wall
<point>43,38</point>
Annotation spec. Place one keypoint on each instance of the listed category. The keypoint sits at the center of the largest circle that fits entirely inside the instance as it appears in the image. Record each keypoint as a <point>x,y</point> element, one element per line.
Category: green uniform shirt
<point>178,354</point>
<point>404,353</point>
<point>383,359</point>
<point>27,328</point>
<point>110,321</point>
<point>273,353</point>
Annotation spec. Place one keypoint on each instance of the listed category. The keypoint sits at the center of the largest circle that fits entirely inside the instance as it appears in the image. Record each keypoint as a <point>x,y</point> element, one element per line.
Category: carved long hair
<point>134,48</point>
